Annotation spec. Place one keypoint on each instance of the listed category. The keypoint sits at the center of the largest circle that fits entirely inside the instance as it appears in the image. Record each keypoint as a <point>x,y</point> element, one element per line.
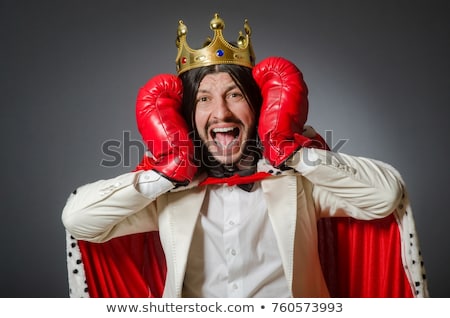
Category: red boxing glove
<point>164,130</point>
<point>284,109</point>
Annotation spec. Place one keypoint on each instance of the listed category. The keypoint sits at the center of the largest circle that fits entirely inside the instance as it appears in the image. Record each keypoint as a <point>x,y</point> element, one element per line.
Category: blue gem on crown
<point>220,53</point>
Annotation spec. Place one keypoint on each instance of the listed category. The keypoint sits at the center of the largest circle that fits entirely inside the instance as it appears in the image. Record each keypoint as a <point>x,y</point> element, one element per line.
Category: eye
<point>236,95</point>
<point>202,99</point>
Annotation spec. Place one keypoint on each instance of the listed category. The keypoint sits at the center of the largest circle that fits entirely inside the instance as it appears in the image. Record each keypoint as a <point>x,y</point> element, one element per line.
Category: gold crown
<point>215,51</point>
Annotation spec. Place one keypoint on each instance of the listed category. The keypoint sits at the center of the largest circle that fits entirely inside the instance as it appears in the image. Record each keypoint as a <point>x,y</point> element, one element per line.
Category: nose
<point>221,110</point>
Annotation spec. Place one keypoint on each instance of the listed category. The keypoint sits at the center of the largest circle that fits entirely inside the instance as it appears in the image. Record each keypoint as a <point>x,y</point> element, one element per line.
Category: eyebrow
<point>229,88</point>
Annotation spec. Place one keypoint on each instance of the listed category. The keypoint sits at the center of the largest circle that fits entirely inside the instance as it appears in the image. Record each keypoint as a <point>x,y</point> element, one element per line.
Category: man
<point>230,181</point>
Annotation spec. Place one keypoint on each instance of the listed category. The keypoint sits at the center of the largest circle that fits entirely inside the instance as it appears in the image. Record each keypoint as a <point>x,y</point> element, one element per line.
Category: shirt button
<point>233,252</point>
<point>231,223</point>
<point>235,286</point>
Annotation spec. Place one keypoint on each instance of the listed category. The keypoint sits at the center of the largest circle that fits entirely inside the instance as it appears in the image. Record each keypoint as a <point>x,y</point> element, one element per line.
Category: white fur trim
<point>75,269</point>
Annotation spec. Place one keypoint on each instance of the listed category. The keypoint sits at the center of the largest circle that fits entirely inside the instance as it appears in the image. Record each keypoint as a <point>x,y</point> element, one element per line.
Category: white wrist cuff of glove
<point>151,184</point>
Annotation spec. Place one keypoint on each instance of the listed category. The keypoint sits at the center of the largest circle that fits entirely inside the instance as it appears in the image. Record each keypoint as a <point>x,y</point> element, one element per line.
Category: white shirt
<point>234,252</point>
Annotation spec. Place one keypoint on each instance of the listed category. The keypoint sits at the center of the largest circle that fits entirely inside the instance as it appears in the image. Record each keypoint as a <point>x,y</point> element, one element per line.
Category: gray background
<point>378,73</point>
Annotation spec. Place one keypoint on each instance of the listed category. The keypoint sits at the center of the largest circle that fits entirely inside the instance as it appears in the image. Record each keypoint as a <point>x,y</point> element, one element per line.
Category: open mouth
<point>225,137</point>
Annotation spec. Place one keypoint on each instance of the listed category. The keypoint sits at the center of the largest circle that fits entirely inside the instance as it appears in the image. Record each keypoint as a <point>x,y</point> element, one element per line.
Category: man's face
<point>223,117</point>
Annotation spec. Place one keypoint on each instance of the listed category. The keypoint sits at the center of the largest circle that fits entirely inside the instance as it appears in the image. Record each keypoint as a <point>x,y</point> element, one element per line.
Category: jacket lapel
<point>281,197</point>
<point>179,218</point>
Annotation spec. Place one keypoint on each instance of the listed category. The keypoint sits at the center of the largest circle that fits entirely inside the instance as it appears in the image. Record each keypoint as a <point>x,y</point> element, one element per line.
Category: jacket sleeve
<point>345,185</point>
<point>102,210</point>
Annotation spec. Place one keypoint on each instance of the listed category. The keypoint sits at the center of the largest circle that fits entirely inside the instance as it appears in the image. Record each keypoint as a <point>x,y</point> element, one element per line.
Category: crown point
<point>182,28</point>
<point>241,40</point>
<point>247,28</point>
<point>217,23</point>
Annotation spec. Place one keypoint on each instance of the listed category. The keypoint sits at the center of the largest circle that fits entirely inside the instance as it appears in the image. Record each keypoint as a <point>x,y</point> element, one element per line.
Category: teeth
<point>222,129</point>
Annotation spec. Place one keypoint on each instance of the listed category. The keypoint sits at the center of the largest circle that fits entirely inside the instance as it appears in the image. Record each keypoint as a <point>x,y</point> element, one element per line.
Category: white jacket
<point>321,184</point>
